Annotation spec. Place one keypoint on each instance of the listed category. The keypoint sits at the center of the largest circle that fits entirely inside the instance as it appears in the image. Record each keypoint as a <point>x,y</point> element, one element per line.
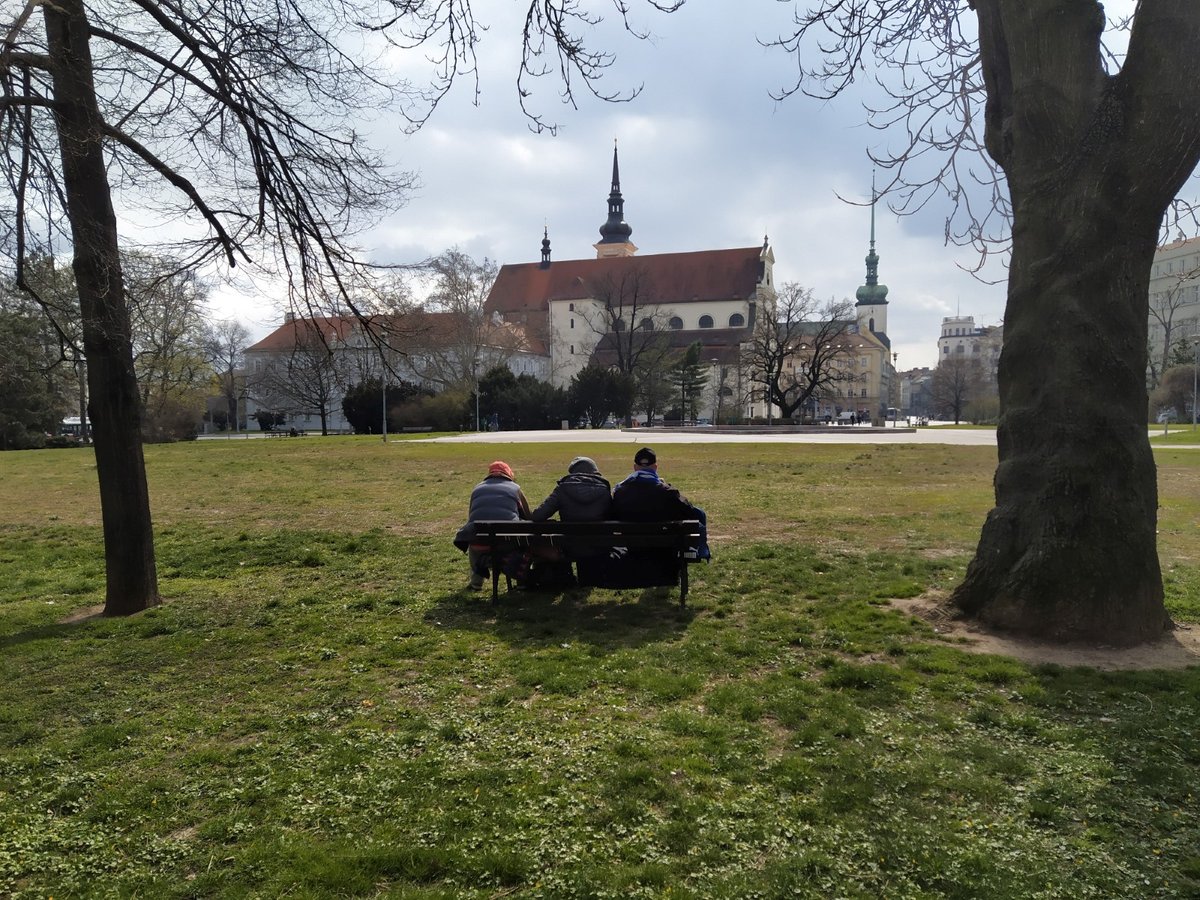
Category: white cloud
<point>708,160</point>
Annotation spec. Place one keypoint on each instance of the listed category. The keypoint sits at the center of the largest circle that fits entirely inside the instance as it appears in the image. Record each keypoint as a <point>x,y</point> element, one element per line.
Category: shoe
<point>475,584</point>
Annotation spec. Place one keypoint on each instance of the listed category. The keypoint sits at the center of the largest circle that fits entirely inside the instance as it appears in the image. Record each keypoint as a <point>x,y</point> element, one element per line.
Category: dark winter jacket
<point>644,497</point>
<point>579,497</point>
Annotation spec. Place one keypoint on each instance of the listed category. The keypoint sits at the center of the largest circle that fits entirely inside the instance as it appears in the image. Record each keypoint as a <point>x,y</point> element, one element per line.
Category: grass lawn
<point>1178,434</point>
<point>320,709</point>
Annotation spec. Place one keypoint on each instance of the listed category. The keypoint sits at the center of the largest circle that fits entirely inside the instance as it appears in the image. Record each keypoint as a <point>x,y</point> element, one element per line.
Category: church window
<point>572,321</point>
<point>572,349</point>
<point>871,324</point>
<point>676,323</point>
<point>570,307</point>
<point>647,324</point>
<point>706,321</point>
<point>737,320</point>
<point>945,350</point>
<point>619,325</point>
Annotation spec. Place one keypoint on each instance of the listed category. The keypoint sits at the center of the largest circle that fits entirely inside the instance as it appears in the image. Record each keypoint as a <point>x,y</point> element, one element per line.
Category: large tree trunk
<point>1093,161</point>
<point>132,582</point>
<point>1069,551</point>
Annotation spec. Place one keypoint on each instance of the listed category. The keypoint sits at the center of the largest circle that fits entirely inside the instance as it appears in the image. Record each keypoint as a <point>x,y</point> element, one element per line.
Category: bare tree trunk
<point>1069,551</point>
<point>1093,161</point>
<point>132,582</point>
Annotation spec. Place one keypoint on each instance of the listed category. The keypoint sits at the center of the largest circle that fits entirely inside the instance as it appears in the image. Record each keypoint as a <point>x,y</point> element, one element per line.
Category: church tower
<point>871,308</point>
<point>615,232</point>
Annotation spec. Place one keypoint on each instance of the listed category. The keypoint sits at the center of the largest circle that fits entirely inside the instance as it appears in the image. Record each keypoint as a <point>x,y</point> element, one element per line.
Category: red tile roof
<point>412,332</point>
<point>675,278</point>
<point>292,334</point>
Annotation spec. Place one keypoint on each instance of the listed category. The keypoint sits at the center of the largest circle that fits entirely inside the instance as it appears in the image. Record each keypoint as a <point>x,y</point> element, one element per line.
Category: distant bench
<point>679,541</point>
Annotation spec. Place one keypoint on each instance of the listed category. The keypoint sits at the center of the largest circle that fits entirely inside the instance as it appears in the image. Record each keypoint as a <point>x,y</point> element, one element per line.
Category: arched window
<point>871,324</point>
<point>676,323</point>
<point>737,320</point>
<point>570,307</point>
<point>619,325</point>
<point>647,325</point>
<point>706,322</point>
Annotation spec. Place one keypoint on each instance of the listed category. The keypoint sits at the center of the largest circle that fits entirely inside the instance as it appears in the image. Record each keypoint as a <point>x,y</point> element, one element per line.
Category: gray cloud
<point>708,160</point>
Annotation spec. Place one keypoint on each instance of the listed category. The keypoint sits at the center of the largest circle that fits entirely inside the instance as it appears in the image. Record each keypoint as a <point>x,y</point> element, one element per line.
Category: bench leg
<point>683,582</point>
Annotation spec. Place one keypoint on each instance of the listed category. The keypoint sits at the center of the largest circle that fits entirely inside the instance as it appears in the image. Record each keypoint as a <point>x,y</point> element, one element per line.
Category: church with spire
<point>621,308</point>
<point>878,387</point>
<point>871,307</point>
<point>625,310</point>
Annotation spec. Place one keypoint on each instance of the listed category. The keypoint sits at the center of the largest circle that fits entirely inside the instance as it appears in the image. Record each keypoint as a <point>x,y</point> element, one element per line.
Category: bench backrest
<point>680,534</point>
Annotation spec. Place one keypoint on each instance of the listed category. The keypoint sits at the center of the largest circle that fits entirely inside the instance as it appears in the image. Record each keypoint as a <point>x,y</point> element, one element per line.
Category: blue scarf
<point>644,475</point>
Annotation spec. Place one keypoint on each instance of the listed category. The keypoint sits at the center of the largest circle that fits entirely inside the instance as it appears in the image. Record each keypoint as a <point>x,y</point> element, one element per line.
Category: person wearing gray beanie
<point>583,464</point>
<point>582,495</point>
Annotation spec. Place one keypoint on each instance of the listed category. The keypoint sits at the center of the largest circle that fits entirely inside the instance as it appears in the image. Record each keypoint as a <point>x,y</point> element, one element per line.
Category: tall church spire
<point>615,232</point>
<point>871,308</point>
<point>872,292</point>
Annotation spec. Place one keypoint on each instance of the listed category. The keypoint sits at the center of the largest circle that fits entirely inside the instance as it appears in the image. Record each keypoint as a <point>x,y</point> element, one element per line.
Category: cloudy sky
<point>708,160</point>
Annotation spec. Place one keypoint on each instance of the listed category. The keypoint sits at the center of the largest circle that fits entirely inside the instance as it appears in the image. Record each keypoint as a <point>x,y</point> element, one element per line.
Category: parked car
<point>1167,416</point>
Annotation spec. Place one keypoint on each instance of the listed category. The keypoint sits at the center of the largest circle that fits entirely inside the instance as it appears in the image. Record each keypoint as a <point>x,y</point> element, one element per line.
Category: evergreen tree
<point>690,377</point>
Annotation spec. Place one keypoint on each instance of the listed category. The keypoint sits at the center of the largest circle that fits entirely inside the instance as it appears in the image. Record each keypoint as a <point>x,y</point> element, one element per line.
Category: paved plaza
<point>849,434</point>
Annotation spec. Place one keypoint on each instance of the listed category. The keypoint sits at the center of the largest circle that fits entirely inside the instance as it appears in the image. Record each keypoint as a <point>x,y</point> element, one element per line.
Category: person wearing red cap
<point>498,496</point>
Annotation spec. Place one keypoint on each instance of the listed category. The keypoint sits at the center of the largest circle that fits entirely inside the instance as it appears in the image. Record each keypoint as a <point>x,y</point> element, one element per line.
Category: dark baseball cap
<point>645,457</point>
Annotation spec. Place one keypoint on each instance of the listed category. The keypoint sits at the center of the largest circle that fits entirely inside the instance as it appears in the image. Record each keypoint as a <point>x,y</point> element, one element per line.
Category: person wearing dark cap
<point>498,496</point>
<point>644,497</point>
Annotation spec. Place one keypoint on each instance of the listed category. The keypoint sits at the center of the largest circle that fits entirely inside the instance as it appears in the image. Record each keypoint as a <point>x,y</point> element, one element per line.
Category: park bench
<point>681,538</point>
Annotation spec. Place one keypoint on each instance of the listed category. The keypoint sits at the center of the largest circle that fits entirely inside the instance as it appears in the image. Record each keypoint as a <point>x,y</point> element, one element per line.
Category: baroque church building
<point>619,307</point>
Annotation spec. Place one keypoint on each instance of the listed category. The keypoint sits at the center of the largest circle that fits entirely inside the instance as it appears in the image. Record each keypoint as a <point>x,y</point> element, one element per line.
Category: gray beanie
<point>583,464</point>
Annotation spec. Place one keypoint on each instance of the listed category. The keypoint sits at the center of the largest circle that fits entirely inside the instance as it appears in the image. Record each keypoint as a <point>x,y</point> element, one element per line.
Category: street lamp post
<point>475,376</point>
<point>1195,370</point>
<point>720,389</point>
<point>894,388</point>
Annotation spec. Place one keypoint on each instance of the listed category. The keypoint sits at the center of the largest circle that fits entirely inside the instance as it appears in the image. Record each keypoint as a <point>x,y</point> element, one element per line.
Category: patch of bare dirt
<point>82,615</point>
<point>1176,650</point>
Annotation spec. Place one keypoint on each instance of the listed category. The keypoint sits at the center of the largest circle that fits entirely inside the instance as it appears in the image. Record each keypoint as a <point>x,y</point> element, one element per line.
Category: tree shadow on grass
<point>609,619</point>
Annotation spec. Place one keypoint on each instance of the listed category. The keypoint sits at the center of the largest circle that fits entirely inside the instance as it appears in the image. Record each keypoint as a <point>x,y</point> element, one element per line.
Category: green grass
<point>1178,434</point>
<point>320,709</point>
